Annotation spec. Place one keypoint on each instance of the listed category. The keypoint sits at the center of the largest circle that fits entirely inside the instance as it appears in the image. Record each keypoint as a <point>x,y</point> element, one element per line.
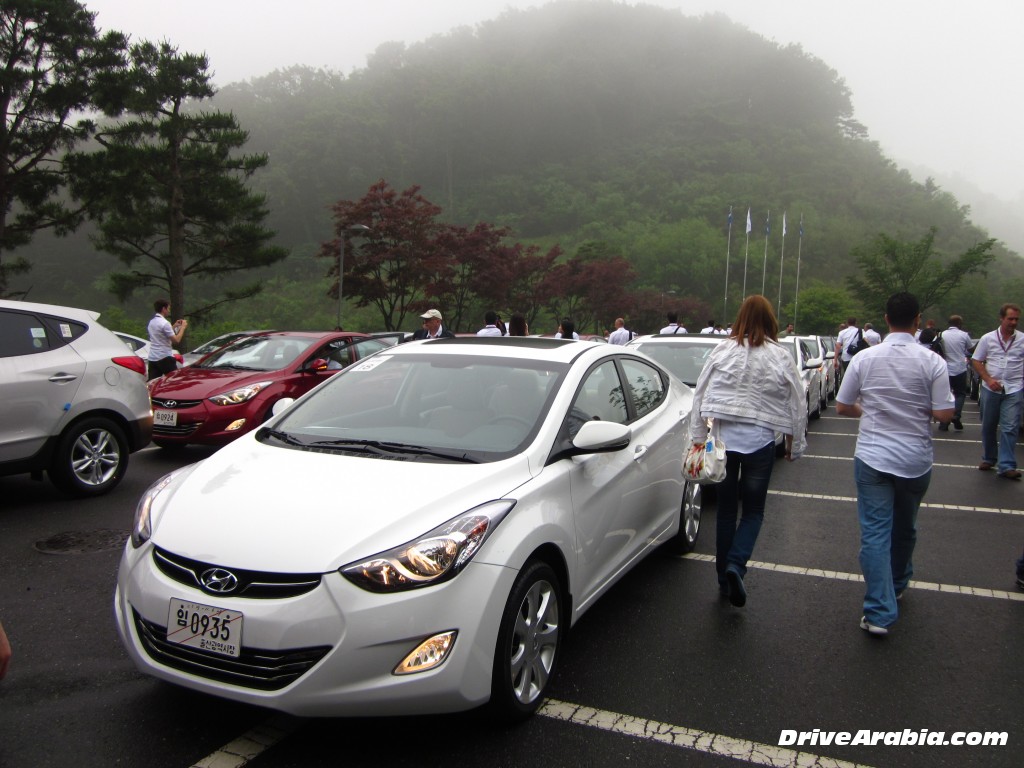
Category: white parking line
<point>688,738</point>
<point>928,586</point>
<point>252,744</point>
<point>924,505</point>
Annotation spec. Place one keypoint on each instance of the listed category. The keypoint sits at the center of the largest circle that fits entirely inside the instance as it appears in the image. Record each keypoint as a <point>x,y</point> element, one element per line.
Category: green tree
<point>820,308</point>
<point>169,193</point>
<point>887,266</point>
<point>54,67</point>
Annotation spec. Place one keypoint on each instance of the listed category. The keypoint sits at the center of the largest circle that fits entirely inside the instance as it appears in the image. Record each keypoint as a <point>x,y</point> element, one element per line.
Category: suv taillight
<point>134,362</point>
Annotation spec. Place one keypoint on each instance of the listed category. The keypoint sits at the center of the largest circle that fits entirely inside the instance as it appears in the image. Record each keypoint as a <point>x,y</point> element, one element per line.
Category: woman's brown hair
<point>755,322</point>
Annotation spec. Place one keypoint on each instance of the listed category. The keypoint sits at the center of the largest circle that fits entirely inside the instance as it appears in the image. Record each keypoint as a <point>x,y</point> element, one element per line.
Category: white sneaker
<point>871,628</point>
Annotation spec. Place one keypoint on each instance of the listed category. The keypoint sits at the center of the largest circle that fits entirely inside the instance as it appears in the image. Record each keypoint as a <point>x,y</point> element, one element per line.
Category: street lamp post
<point>346,243</point>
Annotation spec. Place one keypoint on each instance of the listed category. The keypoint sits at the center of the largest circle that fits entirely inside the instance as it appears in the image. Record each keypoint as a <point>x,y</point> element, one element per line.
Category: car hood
<point>279,509</point>
<point>193,383</point>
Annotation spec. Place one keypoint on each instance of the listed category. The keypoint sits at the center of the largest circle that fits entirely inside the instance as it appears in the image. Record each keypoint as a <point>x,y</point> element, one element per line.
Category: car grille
<point>174,405</point>
<point>254,668</point>
<point>180,431</point>
<point>251,584</point>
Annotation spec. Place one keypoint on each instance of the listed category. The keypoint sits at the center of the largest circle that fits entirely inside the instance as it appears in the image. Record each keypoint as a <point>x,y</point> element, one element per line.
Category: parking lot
<point>659,672</point>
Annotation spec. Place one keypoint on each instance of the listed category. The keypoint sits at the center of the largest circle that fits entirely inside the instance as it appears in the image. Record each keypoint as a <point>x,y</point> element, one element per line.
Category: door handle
<point>62,378</point>
<point>639,452</point>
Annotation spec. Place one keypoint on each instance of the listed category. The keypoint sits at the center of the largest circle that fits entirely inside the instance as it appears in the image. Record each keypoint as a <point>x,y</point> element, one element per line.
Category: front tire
<point>689,521</point>
<point>91,458</point>
<point>529,641</point>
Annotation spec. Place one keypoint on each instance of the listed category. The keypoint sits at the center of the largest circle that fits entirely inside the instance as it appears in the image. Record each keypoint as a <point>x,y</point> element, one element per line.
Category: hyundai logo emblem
<point>171,403</point>
<point>218,580</point>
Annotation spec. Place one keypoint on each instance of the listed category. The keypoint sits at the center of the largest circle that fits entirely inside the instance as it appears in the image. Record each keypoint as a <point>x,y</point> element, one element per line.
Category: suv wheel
<point>91,458</point>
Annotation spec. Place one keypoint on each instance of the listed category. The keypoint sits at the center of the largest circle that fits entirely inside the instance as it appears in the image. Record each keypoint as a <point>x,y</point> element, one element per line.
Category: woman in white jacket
<point>752,387</point>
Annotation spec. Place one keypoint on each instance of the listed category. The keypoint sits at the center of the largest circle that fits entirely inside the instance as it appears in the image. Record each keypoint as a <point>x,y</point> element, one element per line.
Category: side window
<point>367,347</point>
<point>22,334</point>
<point>600,398</point>
<point>645,386</point>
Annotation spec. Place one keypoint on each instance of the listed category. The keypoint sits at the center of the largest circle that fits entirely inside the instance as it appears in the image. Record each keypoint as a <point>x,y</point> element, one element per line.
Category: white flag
<point>783,223</point>
<point>749,227</point>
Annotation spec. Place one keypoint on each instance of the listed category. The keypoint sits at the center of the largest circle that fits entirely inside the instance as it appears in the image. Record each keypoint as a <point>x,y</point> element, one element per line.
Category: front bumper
<point>350,639</point>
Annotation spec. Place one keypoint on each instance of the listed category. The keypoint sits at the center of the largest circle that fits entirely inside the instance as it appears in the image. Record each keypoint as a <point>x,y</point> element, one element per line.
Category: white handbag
<point>704,463</point>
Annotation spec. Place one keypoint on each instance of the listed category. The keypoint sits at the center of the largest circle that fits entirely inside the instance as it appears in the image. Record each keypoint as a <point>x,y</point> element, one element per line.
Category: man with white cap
<point>432,328</point>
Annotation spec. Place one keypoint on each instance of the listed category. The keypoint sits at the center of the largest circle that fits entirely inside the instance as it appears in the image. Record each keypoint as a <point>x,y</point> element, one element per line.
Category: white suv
<point>73,400</point>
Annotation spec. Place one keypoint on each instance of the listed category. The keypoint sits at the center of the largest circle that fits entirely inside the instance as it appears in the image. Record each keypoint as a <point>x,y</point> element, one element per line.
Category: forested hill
<point>632,126</point>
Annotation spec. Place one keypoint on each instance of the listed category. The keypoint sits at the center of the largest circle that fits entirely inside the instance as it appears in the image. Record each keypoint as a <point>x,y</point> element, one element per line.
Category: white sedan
<point>415,535</point>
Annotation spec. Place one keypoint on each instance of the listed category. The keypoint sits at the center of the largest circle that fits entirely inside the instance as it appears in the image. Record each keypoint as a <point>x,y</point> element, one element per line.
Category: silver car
<point>73,399</point>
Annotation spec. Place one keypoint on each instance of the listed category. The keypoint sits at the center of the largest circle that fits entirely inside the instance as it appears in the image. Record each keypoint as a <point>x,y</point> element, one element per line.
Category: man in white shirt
<point>895,388</point>
<point>843,341</point>
<point>162,338</point>
<point>491,325</point>
<point>871,336</point>
<point>673,324</point>
<point>956,348</point>
<point>709,328</point>
<point>620,335</point>
<point>999,360</point>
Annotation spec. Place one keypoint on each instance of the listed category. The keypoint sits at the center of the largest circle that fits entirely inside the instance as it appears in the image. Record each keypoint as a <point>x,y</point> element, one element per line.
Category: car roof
<point>311,334</point>
<point>85,315</point>
<point>527,347</point>
<point>684,338</point>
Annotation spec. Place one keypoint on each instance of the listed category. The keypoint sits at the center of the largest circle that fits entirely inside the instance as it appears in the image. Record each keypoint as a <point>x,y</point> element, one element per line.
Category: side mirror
<point>318,364</point>
<point>281,405</point>
<point>601,437</point>
<point>813,362</point>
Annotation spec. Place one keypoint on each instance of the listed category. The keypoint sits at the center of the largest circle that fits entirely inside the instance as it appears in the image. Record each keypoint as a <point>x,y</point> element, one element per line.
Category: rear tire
<point>529,641</point>
<point>91,458</point>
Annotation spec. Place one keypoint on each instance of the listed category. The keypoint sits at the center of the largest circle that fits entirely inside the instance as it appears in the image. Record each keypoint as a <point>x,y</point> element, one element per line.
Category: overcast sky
<point>935,81</point>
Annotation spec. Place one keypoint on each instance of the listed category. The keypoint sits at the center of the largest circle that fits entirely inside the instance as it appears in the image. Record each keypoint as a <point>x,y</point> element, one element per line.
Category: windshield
<point>685,360</point>
<point>425,407</point>
<point>217,343</point>
<point>259,353</point>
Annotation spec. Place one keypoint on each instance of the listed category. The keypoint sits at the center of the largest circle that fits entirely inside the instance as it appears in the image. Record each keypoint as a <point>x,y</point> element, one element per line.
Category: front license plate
<point>206,627</point>
<point>165,418</point>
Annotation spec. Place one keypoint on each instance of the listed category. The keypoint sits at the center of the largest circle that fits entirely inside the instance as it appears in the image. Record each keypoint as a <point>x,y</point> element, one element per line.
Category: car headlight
<point>142,526</point>
<point>436,556</point>
<point>240,395</point>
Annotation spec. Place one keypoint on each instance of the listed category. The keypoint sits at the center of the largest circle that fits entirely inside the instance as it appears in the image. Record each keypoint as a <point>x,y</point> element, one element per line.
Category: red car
<point>232,390</point>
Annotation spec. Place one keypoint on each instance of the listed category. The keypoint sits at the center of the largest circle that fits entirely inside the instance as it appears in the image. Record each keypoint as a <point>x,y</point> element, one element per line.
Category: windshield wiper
<point>383,448</point>
<point>283,437</point>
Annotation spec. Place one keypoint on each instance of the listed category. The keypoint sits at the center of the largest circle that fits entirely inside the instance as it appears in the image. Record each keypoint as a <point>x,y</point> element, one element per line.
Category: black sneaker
<point>943,427</point>
<point>737,592</point>
<point>1020,582</point>
<point>958,425</point>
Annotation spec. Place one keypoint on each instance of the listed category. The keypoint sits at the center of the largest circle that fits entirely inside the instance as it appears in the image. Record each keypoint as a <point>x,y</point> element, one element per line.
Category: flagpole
<point>746,254</point>
<point>782,259</point>
<point>728,246</point>
<point>764,269</point>
<point>799,248</point>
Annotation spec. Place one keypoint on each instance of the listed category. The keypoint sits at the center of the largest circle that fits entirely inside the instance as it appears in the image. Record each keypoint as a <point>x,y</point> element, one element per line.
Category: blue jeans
<point>958,386</point>
<point>887,507</point>
<point>746,480</point>
<point>1000,415</point>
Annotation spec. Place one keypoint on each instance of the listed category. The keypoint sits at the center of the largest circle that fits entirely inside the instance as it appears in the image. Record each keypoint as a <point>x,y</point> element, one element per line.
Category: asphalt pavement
<point>659,672</point>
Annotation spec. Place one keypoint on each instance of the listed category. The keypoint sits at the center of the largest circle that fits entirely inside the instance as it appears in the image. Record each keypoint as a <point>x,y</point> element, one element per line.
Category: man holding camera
<point>162,337</point>
<point>999,360</point>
